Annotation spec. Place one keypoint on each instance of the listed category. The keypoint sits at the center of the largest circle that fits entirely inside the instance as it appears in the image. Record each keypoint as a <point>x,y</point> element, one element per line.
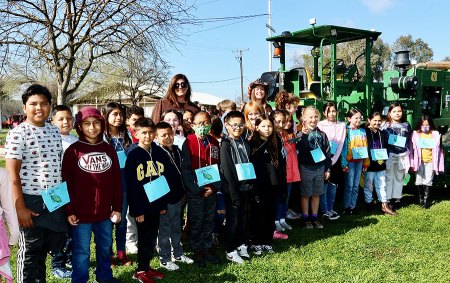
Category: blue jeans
<point>282,204</point>
<point>377,180</point>
<point>328,197</point>
<point>352,178</point>
<point>81,250</point>
<point>121,227</point>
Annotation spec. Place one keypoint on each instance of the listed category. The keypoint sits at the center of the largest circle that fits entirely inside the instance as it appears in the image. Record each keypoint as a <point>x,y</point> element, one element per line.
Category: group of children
<point>139,180</point>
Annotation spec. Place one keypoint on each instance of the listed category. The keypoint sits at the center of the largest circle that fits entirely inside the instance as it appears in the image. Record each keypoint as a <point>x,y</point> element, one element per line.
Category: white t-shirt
<point>67,140</point>
<point>40,149</point>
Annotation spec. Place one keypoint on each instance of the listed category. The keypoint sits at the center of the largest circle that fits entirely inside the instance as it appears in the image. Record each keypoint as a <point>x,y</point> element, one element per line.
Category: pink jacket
<point>336,133</point>
<point>437,152</point>
<point>292,171</point>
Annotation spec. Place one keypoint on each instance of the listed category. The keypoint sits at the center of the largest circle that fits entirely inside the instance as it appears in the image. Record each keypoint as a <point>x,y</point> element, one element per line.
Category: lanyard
<point>373,142</point>
<point>149,152</point>
<point>172,159</point>
<point>233,144</point>
<point>199,159</point>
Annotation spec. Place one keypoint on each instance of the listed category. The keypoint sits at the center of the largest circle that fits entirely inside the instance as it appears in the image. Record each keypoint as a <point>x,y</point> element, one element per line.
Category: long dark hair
<point>122,128</point>
<point>170,94</point>
<point>271,144</point>
<point>423,119</point>
<point>393,105</point>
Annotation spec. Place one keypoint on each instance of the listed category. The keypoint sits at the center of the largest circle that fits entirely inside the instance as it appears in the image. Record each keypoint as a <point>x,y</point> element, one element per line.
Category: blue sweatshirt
<point>401,129</point>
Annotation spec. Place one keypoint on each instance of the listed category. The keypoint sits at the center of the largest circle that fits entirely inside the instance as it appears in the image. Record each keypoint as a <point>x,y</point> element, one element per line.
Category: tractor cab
<point>331,78</point>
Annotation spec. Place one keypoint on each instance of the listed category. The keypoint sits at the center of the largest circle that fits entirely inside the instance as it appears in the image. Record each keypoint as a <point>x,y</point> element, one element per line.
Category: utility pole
<point>239,58</point>
<point>270,29</point>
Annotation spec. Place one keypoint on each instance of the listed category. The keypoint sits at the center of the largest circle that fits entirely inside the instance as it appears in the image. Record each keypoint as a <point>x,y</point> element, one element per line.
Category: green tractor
<point>421,89</point>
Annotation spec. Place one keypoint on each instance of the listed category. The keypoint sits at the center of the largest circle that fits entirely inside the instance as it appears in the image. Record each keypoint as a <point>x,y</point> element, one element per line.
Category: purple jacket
<point>437,153</point>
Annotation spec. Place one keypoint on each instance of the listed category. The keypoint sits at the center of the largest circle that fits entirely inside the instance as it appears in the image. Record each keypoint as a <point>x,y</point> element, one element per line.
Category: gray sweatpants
<point>169,236</point>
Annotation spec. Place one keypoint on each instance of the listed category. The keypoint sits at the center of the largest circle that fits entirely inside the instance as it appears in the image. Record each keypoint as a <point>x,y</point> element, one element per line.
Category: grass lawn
<point>412,247</point>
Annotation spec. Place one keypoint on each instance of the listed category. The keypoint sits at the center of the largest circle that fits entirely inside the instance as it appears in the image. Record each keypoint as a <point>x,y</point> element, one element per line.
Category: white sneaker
<point>183,259</point>
<point>268,249</point>
<point>171,266</point>
<point>285,225</point>
<point>278,226</point>
<point>257,249</point>
<point>234,257</point>
<point>242,251</point>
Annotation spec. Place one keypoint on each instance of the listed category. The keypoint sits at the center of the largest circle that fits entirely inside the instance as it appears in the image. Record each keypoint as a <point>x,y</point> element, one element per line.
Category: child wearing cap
<point>91,169</point>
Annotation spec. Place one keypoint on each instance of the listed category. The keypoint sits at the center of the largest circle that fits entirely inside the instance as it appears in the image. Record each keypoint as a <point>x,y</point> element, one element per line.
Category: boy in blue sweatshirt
<point>145,163</point>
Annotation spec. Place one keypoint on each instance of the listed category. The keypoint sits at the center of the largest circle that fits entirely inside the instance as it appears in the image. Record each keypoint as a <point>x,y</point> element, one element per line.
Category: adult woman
<point>178,97</point>
<point>257,91</point>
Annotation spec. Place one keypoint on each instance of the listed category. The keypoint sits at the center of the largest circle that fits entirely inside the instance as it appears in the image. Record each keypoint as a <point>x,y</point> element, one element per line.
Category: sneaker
<point>279,236</point>
<point>278,226</point>
<point>211,257</point>
<point>317,224</point>
<point>143,277</point>
<point>242,251</point>
<point>291,215</point>
<point>268,249</point>
<point>257,249</point>
<point>170,265</point>
<point>154,274</point>
<point>234,257</point>
<point>183,258</point>
<point>327,215</point>
<point>61,272</point>
<point>308,225</point>
<point>285,225</point>
<point>334,215</point>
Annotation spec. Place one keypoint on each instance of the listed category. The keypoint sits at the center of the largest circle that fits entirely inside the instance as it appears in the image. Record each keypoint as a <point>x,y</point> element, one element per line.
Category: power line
<point>210,82</point>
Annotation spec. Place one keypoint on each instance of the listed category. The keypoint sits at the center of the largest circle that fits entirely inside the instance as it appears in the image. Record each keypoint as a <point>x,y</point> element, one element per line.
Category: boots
<point>420,191</point>
<point>427,197</point>
<point>386,209</point>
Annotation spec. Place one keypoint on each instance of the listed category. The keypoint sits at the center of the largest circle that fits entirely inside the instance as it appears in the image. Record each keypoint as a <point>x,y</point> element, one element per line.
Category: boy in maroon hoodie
<point>91,169</point>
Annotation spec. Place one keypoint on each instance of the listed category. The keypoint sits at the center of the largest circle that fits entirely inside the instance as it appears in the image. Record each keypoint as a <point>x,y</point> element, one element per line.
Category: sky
<point>206,53</point>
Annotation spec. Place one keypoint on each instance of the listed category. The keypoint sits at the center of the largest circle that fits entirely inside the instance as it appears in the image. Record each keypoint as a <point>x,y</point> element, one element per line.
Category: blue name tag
<point>379,154</point>
<point>360,152</point>
<point>317,155</point>
<point>157,188</point>
<point>397,140</point>
<point>207,175</point>
<point>333,147</point>
<point>245,171</point>
<point>426,143</point>
<point>56,197</point>
<point>122,158</point>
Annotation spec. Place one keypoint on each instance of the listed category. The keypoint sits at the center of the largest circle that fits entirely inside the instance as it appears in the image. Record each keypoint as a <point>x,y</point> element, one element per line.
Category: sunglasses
<point>182,85</point>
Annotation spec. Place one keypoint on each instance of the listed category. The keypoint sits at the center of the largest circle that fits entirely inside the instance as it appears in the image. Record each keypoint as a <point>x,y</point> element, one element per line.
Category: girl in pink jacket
<point>427,158</point>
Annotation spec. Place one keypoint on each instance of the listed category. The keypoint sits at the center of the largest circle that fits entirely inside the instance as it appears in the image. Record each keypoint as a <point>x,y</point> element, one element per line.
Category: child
<point>63,119</point>
<point>8,213</point>
<point>235,150</point>
<point>169,237</point>
<point>200,150</point>
<point>116,134</point>
<point>133,114</point>
<point>315,162</point>
<point>398,133</point>
<point>375,175</point>
<point>279,119</point>
<point>335,131</point>
<point>188,117</point>
<point>33,161</point>
<point>354,159</point>
<point>145,163</point>
<point>224,107</point>
<point>91,169</point>
<point>252,111</point>
<point>271,181</point>
<point>174,118</point>
<point>428,157</point>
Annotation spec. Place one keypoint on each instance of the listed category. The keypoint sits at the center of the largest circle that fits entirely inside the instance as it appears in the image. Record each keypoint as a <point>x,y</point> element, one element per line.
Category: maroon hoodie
<point>92,173</point>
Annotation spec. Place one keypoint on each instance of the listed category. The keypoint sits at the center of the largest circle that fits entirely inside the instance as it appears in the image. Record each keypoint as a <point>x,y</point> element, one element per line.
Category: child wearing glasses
<point>234,152</point>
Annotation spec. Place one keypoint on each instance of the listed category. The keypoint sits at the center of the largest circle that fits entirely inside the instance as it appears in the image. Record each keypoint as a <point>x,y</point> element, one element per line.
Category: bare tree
<point>68,36</point>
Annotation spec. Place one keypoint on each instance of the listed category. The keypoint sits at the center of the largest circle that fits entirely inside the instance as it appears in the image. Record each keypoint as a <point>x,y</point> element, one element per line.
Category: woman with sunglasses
<point>178,97</point>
